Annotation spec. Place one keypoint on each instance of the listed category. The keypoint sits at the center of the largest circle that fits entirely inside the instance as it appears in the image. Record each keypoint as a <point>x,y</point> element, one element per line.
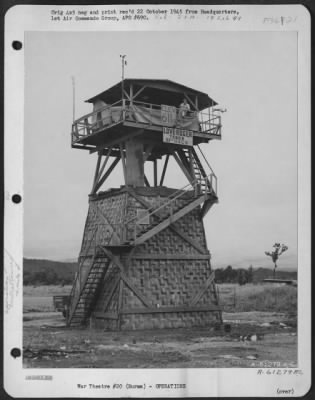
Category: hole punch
<point>17,45</point>
<point>16,198</point>
<point>16,352</point>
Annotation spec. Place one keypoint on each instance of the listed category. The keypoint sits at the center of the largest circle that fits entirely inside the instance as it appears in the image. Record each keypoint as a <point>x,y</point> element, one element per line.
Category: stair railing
<point>170,203</point>
<point>211,176</point>
<point>73,298</point>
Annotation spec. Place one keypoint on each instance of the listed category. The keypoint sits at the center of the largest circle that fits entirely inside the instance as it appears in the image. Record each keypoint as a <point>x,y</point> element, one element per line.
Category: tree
<point>275,254</point>
<point>242,277</point>
<point>250,274</point>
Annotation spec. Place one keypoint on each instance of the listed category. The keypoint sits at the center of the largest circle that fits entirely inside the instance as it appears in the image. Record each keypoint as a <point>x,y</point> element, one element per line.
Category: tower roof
<point>156,91</point>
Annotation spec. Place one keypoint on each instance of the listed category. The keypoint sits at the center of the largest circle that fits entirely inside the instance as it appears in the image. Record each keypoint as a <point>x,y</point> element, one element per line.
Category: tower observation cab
<point>144,261</point>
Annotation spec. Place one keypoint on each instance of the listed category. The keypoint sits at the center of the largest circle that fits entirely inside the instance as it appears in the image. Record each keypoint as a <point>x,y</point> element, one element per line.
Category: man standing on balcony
<point>184,108</point>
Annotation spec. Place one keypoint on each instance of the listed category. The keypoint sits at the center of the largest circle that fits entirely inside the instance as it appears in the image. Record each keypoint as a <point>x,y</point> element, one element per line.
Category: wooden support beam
<point>138,92</point>
<point>190,101</point>
<point>182,167</point>
<point>164,169</point>
<point>125,278</point>
<point>126,94</point>
<point>106,175</point>
<point>123,161</point>
<point>166,222</point>
<point>152,310</point>
<point>196,103</point>
<point>155,172</point>
<point>147,183</point>
<point>147,152</point>
<point>97,169</point>
<point>101,170</point>
<point>131,93</point>
<point>174,228</point>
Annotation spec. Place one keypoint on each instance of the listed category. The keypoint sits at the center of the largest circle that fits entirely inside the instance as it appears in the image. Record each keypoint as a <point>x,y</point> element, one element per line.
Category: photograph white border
<point>233,382</point>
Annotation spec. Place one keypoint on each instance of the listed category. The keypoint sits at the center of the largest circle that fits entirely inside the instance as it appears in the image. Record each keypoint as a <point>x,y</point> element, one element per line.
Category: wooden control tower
<point>144,261</point>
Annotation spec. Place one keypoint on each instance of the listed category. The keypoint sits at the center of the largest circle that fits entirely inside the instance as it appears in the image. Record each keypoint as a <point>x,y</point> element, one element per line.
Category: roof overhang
<point>156,91</point>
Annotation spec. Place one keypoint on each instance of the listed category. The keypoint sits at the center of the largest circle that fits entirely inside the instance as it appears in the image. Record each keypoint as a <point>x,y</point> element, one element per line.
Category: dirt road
<point>247,339</point>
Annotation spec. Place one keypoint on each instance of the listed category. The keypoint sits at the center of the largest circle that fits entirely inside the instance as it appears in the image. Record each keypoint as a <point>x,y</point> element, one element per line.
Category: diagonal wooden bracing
<point>158,217</point>
<point>101,180</point>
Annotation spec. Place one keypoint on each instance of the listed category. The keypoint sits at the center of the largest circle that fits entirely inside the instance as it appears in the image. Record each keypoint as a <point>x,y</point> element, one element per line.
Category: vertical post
<point>97,169</point>
<point>123,161</point>
<point>123,63</point>
<point>131,94</point>
<point>155,172</point>
<point>120,298</point>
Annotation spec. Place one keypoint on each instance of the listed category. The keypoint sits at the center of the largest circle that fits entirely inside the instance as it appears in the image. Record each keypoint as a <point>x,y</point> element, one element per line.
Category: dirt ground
<point>246,339</point>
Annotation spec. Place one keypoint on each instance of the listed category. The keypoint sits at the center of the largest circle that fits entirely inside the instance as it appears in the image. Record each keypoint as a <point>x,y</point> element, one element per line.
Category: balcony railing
<point>207,121</point>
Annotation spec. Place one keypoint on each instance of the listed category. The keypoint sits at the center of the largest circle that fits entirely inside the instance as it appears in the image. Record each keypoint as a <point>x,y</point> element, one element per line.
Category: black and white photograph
<point>163,228</point>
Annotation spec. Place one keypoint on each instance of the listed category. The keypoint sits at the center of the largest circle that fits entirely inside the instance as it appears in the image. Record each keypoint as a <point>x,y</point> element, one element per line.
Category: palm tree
<point>275,254</point>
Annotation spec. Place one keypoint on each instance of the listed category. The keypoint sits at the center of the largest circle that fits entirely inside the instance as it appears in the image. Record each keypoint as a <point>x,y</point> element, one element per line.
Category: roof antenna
<point>123,63</point>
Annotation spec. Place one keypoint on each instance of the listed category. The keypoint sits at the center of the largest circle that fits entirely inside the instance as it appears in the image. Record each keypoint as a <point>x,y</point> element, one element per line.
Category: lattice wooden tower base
<point>144,261</point>
<point>163,282</point>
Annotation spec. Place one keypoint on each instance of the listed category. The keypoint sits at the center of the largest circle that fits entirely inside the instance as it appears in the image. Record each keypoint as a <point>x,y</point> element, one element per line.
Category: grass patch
<point>261,297</point>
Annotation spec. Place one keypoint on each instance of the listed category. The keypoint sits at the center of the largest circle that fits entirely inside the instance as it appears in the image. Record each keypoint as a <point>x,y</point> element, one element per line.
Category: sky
<point>251,74</point>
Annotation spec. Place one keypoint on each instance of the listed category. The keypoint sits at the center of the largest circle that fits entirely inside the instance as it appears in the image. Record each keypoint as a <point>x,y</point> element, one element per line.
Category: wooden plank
<point>212,307</point>
<point>164,256</point>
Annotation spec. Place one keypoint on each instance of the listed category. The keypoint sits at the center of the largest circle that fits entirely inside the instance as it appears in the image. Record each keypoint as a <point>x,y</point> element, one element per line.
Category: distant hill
<point>48,272</point>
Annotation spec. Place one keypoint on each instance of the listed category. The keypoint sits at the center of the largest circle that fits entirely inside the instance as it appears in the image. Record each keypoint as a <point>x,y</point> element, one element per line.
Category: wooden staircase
<point>84,295</point>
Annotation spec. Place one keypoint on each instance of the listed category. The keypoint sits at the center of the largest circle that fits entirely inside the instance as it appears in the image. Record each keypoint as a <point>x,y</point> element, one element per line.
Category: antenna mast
<point>123,63</point>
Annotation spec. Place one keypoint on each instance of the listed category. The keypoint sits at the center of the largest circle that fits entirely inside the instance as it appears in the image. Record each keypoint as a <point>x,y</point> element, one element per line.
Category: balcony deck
<point>108,126</point>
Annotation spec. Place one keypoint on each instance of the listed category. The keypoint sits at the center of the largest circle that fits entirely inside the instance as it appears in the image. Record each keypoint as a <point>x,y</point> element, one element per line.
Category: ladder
<point>82,299</point>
